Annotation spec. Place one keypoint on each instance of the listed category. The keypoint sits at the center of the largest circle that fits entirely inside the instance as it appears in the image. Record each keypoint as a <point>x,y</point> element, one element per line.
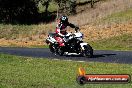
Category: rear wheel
<point>52,48</point>
<point>60,51</point>
<point>88,51</point>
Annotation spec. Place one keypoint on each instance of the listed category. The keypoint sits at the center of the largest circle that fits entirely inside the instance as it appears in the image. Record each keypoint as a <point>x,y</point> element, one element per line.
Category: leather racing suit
<point>61,31</point>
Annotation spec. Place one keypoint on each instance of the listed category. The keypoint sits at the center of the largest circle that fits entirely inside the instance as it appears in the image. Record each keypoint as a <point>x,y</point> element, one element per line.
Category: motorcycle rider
<point>61,29</point>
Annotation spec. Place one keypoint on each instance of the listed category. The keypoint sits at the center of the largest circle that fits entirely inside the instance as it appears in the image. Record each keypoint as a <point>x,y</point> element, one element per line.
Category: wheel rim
<point>88,52</point>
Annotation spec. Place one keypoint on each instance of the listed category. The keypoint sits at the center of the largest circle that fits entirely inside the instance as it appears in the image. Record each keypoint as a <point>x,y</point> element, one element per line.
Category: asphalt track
<point>109,56</point>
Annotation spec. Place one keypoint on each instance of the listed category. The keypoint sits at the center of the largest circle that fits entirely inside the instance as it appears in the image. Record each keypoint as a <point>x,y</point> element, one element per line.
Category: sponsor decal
<point>84,78</point>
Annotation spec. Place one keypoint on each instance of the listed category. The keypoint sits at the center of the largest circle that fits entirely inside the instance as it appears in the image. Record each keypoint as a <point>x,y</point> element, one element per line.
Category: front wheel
<point>88,51</point>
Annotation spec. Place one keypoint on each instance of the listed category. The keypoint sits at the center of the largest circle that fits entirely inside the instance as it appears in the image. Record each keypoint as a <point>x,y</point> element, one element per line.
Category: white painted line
<point>67,60</point>
<point>56,59</point>
<point>70,60</point>
<point>80,61</point>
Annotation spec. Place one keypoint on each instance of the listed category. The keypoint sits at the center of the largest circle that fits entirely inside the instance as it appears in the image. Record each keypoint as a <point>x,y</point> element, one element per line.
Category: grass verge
<point>122,42</point>
<point>25,72</point>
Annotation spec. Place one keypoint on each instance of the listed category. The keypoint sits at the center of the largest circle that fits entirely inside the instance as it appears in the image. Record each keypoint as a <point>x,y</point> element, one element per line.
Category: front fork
<point>82,45</point>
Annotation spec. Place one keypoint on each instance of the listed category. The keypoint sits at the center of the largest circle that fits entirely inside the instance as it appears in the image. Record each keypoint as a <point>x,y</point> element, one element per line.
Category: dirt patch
<point>4,42</point>
<point>93,33</point>
<point>25,42</point>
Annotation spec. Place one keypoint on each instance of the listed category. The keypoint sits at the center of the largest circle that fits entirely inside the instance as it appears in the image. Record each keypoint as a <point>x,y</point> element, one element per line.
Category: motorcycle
<point>71,43</point>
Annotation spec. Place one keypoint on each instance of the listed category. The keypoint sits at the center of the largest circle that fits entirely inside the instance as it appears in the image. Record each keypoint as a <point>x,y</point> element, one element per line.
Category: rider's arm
<point>58,32</point>
<point>73,26</point>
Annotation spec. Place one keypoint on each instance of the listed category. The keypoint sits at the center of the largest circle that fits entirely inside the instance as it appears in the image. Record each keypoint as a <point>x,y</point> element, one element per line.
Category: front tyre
<point>88,51</point>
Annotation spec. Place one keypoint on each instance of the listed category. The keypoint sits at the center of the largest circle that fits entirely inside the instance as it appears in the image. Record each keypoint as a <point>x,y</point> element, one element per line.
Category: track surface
<point>99,55</point>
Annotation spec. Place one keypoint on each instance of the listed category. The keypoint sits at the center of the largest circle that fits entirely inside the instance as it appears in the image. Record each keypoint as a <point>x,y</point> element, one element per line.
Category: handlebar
<point>71,35</point>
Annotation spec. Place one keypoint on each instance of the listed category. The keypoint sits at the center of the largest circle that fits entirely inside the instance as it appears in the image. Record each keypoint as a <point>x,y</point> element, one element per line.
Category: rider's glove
<point>76,28</point>
<point>61,35</point>
<point>66,37</point>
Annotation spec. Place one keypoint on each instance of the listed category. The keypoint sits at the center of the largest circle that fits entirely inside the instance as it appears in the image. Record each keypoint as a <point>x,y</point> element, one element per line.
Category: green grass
<point>82,1</point>
<point>118,17</point>
<point>25,72</point>
<point>53,6</point>
<point>122,42</point>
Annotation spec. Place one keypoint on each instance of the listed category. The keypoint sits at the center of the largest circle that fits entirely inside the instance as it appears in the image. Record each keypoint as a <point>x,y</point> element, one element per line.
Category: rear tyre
<point>88,51</point>
<point>60,51</point>
<point>52,48</point>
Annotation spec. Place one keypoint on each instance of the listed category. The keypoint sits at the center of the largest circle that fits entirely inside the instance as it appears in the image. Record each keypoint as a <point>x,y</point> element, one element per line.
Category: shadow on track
<point>102,55</point>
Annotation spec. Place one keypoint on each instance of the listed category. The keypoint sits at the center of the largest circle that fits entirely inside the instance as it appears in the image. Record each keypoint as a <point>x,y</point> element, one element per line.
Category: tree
<point>66,7</point>
<point>18,11</point>
<point>26,11</point>
<point>72,6</point>
<point>44,3</point>
<point>92,3</point>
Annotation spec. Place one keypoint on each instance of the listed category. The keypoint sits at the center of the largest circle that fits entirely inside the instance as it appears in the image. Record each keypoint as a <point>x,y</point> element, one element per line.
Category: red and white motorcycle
<point>71,43</point>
